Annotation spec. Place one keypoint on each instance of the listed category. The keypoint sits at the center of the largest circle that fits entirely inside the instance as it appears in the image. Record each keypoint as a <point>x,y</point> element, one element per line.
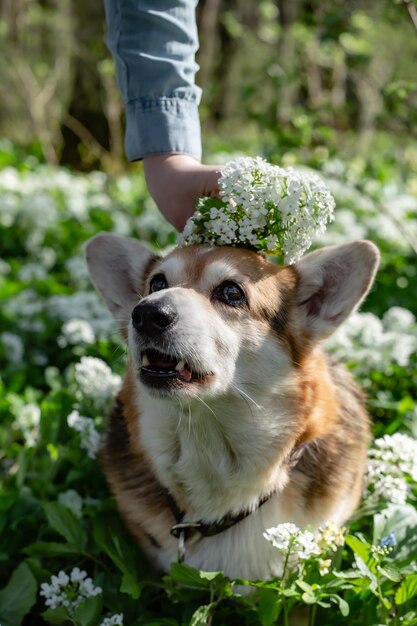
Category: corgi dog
<point>231,418</point>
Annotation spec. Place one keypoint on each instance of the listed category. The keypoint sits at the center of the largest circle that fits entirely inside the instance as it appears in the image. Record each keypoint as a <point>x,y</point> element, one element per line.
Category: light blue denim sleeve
<point>154,43</point>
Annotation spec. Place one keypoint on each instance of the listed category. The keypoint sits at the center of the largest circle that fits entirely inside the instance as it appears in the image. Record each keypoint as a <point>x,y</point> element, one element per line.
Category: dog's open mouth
<point>158,367</point>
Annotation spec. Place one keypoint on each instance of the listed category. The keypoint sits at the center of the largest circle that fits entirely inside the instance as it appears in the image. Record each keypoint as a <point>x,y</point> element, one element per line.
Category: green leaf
<point>307,598</point>
<point>201,616</point>
<point>109,533</point>
<point>343,605</point>
<point>269,606</point>
<point>56,616</point>
<point>305,586</point>
<point>6,501</point>
<point>162,621</point>
<point>186,575</point>
<point>130,586</point>
<point>407,589</point>
<point>391,572</point>
<point>66,524</point>
<point>50,548</point>
<point>365,571</point>
<point>18,596</point>
<point>211,575</point>
<point>401,520</point>
<point>107,540</point>
<point>360,548</point>
<point>88,612</point>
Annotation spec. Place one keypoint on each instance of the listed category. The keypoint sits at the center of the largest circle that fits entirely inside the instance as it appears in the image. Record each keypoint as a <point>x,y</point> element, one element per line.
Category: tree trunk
<point>288,11</point>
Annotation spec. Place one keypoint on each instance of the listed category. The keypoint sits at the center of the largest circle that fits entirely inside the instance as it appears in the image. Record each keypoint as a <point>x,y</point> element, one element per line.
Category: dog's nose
<point>153,318</point>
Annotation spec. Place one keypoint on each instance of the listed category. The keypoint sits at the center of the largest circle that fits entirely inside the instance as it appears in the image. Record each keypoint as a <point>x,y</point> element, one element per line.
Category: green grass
<point>56,512</point>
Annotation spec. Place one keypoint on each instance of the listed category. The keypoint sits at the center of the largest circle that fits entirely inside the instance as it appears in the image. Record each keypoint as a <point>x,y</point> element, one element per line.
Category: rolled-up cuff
<point>162,125</point>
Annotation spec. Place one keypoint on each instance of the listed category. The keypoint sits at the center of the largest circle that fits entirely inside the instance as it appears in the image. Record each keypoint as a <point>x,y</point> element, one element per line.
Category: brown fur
<point>322,450</point>
<point>331,423</point>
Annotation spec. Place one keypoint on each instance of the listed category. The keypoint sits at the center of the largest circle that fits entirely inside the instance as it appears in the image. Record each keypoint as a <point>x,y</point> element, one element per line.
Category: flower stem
<point>283,581</point>
<point>312,615</point>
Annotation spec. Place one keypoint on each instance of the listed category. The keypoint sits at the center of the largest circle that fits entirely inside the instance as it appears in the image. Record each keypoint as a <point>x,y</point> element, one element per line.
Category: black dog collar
<point>183,530</point>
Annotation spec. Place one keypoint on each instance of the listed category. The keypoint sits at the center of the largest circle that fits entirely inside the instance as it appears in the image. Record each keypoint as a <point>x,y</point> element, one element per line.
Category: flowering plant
<point>56,514</point>
<point>69,591</point>
<point>262,206</point>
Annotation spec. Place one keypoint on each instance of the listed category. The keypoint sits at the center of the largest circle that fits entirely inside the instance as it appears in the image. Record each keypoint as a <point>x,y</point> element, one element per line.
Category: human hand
<point>176,181</point>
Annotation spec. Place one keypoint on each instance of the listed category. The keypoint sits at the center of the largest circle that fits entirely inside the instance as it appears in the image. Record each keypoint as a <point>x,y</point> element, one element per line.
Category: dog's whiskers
<point>245,395</point>
<point>207,406</point>
<point>180,414</point>
<point>189,422</point>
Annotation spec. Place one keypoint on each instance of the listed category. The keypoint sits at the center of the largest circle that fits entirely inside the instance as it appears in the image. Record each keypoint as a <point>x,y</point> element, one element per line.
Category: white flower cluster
<point>113,620</point>
<point>288,538</point>
<point>330,537</point>
<point>27,420</point>
<point>13,347</point>
<point>69,591</point>
<point>300,545</point>
<point>380,208</point>
<point>32,272</point>
<point>264,207</point>
<point>90,437</point>
<point>73,501</point>
<point>372,343</point>
<point>76,332</point>
<point>41,193</point>
<point>36,201</point>
<point>85,306</point>
<point>96,381</point>
<point>78,272</point>
<point>26,308</point>
<point>392,462</point>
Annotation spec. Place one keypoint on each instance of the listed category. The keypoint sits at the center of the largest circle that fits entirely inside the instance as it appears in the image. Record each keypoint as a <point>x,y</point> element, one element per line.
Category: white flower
<point>26,308</point>
<point>27,420</point>
<point>84,306</point>
<point>391,460</point>
<point>13,346</point>
<point>324,566</point>
<point>398,319</point>
<point>76,332</point>
<point>262,206</point>
<point>96,381</point>
<point>31,272</point>
<point>330,537</point>
<point>90,438</point>
<point>68,591</point>
<point>288,538</point>
<point>78,271</point>
<point>4,267</point>
<point>282,535</point>
<point>73,501</point>
<point>374,344</point>
<point>113,620</point>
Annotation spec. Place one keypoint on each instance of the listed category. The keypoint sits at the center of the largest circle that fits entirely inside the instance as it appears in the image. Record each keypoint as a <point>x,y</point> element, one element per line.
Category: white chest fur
<point>216,459</point>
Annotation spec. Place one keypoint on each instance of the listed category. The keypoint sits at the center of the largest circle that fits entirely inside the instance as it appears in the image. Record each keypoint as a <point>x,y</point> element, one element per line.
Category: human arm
<point>153,43</point>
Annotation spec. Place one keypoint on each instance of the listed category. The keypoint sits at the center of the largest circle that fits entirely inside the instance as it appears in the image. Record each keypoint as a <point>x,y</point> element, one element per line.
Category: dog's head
<point>205,319</point>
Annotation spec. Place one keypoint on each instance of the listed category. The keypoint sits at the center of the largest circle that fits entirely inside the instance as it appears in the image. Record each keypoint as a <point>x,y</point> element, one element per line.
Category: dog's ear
<point>333,282</point>
<point>117,267</point>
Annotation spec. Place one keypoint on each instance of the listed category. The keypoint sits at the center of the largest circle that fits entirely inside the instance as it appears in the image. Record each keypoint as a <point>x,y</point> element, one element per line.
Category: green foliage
<point>56,513</point>
<point>18,596</point>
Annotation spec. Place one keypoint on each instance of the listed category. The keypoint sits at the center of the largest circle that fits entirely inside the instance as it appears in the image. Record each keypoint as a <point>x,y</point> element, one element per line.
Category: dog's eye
<point>230,293</point>
<point>158,283</point>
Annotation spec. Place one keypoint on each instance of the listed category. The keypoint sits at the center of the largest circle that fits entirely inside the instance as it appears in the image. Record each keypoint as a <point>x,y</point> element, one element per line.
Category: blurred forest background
<point>320,76</point>
<point>330,85</point>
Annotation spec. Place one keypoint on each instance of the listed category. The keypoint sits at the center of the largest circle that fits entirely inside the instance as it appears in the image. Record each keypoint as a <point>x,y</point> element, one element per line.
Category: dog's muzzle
<point>162,365</point>
<point>153,318</point>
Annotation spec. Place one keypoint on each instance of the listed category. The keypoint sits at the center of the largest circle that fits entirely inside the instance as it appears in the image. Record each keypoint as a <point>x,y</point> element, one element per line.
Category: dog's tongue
<point>165,362</point>
<point>185,373</point>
